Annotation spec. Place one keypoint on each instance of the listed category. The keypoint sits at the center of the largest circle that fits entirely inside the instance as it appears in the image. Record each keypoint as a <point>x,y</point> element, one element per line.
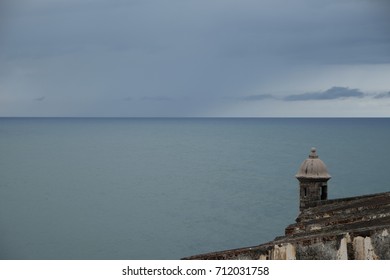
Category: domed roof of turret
<point>313,168</point>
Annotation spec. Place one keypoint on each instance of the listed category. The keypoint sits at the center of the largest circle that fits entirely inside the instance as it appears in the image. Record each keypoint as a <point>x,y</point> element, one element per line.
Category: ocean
<point>161,188</point>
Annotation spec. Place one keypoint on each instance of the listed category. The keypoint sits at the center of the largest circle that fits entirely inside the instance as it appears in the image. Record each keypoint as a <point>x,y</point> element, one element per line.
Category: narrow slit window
<point>324,192</point>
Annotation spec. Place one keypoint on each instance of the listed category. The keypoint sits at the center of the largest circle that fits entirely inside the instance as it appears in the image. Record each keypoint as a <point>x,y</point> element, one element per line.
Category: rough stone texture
<point>381,244</point>
<point>317,251</point>
<point>284,252</point>
<point>349,228</point>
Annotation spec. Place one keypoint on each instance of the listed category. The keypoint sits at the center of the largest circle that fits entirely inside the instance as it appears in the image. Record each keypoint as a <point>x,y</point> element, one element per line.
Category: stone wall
<point>348,246</point>
<point>373,247</point>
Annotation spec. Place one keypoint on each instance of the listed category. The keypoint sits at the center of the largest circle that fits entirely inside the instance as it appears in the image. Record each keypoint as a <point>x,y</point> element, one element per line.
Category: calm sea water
<point>169,188</point>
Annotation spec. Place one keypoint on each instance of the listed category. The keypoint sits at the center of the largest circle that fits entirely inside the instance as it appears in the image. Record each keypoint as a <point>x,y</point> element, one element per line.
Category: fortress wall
<point>373,246</point>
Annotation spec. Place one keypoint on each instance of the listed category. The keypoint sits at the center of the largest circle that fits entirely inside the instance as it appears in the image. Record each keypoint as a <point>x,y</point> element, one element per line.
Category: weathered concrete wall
<point>374,247</point>
<point>283,252</point>
<point>317,251</point>
<point>381,244</point>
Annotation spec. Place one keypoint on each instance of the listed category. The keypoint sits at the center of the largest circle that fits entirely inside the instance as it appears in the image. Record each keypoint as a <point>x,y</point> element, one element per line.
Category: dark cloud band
<point>332,93</point>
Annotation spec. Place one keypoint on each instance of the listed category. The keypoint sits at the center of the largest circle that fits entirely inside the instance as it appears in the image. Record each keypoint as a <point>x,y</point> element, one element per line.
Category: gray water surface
<point>169,188</point>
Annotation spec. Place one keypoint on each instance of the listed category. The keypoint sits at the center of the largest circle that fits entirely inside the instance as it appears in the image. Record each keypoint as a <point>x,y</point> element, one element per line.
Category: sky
<point>194,58</point>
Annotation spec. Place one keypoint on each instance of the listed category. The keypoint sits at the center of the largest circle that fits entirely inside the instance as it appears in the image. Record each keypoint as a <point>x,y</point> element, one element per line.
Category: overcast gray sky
<point>182,58</point>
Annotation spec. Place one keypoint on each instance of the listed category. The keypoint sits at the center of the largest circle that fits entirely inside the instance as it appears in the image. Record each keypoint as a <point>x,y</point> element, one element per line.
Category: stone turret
<point>313,177</point>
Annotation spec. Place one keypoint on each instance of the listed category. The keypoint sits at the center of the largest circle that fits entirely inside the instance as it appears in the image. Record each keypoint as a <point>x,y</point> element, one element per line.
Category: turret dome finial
<point>313,153</point>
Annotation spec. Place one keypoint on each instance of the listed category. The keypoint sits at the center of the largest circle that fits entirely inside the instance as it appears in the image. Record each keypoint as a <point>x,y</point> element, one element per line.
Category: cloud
<point>332,93</point>
<point>258,97</point>
<point>100,49</point>
<point>156,98</point>
<point>382,95</point>
<point>40,98</point>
